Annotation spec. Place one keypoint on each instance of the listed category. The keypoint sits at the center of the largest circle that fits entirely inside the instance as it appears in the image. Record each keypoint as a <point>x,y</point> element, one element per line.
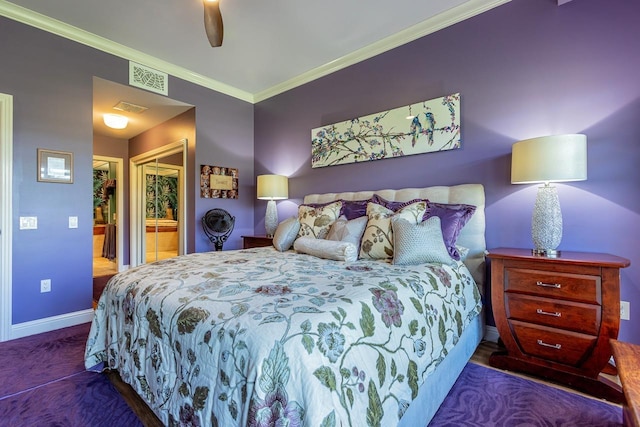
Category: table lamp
<point>556,158</point>
<point>272,188</point>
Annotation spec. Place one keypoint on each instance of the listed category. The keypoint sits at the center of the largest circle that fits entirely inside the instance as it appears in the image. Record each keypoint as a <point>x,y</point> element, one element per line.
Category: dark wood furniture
<point>627,357</point>
<point>555,316</point>
<point>249,242</point>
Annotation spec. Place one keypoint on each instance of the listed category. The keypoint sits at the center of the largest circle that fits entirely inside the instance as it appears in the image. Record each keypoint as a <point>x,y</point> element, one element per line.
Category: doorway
<point>158,208</point>
<point>107,205</point>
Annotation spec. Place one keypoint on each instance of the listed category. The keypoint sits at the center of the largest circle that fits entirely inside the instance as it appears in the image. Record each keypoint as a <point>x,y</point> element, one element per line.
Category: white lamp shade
<point>115,121</point>
<point>557,158</point>
<point>272,187</point>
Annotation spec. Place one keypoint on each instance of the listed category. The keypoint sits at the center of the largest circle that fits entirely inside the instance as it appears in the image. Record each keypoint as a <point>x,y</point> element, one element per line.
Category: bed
<point>258,337</point>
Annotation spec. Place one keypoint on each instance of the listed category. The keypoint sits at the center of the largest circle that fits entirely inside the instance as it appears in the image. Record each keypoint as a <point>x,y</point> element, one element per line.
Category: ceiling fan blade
<point>213,22</point>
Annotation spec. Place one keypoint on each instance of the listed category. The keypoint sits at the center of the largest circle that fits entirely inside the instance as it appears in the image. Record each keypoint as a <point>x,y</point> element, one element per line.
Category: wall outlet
<point>45,285</point>
<point>624,310</point>
<point>73,222</point>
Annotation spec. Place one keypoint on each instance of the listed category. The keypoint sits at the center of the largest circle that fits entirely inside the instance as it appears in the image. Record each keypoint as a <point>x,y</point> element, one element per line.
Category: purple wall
<point>525,69</point>
<point>50,79</point>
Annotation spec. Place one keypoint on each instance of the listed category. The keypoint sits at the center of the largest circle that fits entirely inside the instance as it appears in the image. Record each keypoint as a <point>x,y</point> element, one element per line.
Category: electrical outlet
<point>45,285</point>
<point>73,222</point>
<point>624,310</point>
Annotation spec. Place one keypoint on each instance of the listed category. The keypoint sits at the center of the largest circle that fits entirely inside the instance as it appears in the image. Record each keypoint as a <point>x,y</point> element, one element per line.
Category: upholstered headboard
<point>471,236</point>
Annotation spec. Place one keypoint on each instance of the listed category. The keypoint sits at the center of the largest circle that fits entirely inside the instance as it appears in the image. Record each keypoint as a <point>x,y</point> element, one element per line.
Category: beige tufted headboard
<point>471,236</point>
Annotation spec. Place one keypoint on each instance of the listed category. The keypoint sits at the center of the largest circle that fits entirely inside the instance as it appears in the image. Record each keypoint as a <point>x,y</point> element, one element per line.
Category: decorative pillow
<point>377,241</point>
<point>353,209</point>
<point>348,231</point>
<point>394,206</point>
<point>452,219</point>
<point>418,243</point>
<point>327,249</point>
<point>286,233</point>
<point>316,221</point>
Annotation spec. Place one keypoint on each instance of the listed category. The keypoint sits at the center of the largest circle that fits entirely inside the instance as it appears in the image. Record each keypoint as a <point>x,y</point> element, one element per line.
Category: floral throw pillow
<point>377,241</point>
<point>316,221</point>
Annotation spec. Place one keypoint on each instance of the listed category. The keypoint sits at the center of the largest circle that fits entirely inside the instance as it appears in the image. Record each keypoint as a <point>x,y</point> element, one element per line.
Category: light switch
<point>28,223</point>
<point>73,222</point>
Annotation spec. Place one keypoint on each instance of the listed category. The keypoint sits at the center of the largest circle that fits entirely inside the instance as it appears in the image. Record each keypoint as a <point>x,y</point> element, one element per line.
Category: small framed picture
<point>55,166</point>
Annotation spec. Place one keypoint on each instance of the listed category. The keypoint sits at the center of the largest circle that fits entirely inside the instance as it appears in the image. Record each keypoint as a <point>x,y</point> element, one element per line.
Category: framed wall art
<point>55,166</point>
<point>218,182</point>
<point>423,127</point>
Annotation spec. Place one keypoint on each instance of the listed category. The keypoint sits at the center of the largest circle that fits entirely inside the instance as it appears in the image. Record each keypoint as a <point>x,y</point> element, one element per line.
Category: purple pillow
<point>452,219</point>
<point>353,209</point>
<point>395,206</point>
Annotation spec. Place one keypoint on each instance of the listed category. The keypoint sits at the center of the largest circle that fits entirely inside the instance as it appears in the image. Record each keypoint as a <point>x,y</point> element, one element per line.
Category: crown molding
<point>34,19</point>
<point>443,20</point>
<point>450,17</point>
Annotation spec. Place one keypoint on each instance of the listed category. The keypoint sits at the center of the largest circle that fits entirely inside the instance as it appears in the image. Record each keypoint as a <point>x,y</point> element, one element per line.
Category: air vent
<point>129,107</point>
<point>148,78</point>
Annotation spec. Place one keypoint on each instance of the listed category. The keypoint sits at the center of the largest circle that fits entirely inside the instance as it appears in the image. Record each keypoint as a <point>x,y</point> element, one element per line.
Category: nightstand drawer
<point>575,287</point>
<point>569,348</point>
<point>561,314</point>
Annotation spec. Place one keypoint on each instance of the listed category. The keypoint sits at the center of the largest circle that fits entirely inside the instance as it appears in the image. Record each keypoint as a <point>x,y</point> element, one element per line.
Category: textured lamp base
<point>271,218</point>
<point>546,223</point>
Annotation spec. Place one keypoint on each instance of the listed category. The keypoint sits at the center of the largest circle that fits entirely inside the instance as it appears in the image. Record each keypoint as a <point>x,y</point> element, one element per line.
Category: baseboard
<point>50,323</point>
<point>491,333</point>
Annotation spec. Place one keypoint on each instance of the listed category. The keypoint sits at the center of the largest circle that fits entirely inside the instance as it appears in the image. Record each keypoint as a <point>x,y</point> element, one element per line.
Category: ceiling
<point>107,94</point>
<point>269,46</point>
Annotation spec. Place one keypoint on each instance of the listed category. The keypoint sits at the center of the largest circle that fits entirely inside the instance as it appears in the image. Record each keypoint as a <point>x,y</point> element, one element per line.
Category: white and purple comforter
<point>259,338</point>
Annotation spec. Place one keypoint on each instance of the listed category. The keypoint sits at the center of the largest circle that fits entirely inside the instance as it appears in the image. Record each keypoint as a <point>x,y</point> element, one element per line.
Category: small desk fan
<point>217,225</point>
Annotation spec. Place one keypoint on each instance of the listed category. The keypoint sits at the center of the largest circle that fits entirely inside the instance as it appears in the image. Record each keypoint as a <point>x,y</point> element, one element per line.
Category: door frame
<point>119,205</point>
<point>6,219</point>
<point>137,254</point>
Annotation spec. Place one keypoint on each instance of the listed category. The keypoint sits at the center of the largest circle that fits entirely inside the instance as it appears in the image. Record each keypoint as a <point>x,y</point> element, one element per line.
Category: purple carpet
<point>43,383</point>
<point>486,397</point>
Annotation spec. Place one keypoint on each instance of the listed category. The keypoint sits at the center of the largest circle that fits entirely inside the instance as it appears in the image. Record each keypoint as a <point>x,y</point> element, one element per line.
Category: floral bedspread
<point>261,338</point>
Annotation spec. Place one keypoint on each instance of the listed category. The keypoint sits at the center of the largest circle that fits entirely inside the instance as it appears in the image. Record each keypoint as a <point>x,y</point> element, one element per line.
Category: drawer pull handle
<point>549,285</point>
<point>544,344</point>
<point>549,313</point>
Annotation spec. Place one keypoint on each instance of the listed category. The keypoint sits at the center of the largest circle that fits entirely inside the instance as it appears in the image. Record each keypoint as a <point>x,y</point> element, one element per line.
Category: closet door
<point>162,183</point>
<point>158,200</point>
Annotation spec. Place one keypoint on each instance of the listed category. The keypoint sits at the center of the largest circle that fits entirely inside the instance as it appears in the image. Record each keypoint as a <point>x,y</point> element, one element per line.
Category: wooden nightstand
<point>555,316</point>
<point>256,241</point>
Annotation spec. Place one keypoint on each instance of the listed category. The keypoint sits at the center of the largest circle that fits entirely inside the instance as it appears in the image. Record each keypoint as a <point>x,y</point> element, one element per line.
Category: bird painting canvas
<point>423,127</point>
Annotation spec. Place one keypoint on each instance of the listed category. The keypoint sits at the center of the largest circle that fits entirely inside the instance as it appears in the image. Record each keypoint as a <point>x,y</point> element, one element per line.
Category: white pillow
<point>286,233</point>
<point>327,249</point>
<point>418,243</point>
<point>351,231</point>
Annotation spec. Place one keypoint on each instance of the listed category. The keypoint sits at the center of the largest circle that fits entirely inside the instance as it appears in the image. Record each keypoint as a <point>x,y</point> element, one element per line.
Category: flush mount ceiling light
<point>115,121</point>
<point>213,22</point>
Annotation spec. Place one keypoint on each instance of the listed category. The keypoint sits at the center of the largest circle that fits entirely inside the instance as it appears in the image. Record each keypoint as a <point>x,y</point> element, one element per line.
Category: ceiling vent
<point>148,78</point>
<point>129,107</point>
